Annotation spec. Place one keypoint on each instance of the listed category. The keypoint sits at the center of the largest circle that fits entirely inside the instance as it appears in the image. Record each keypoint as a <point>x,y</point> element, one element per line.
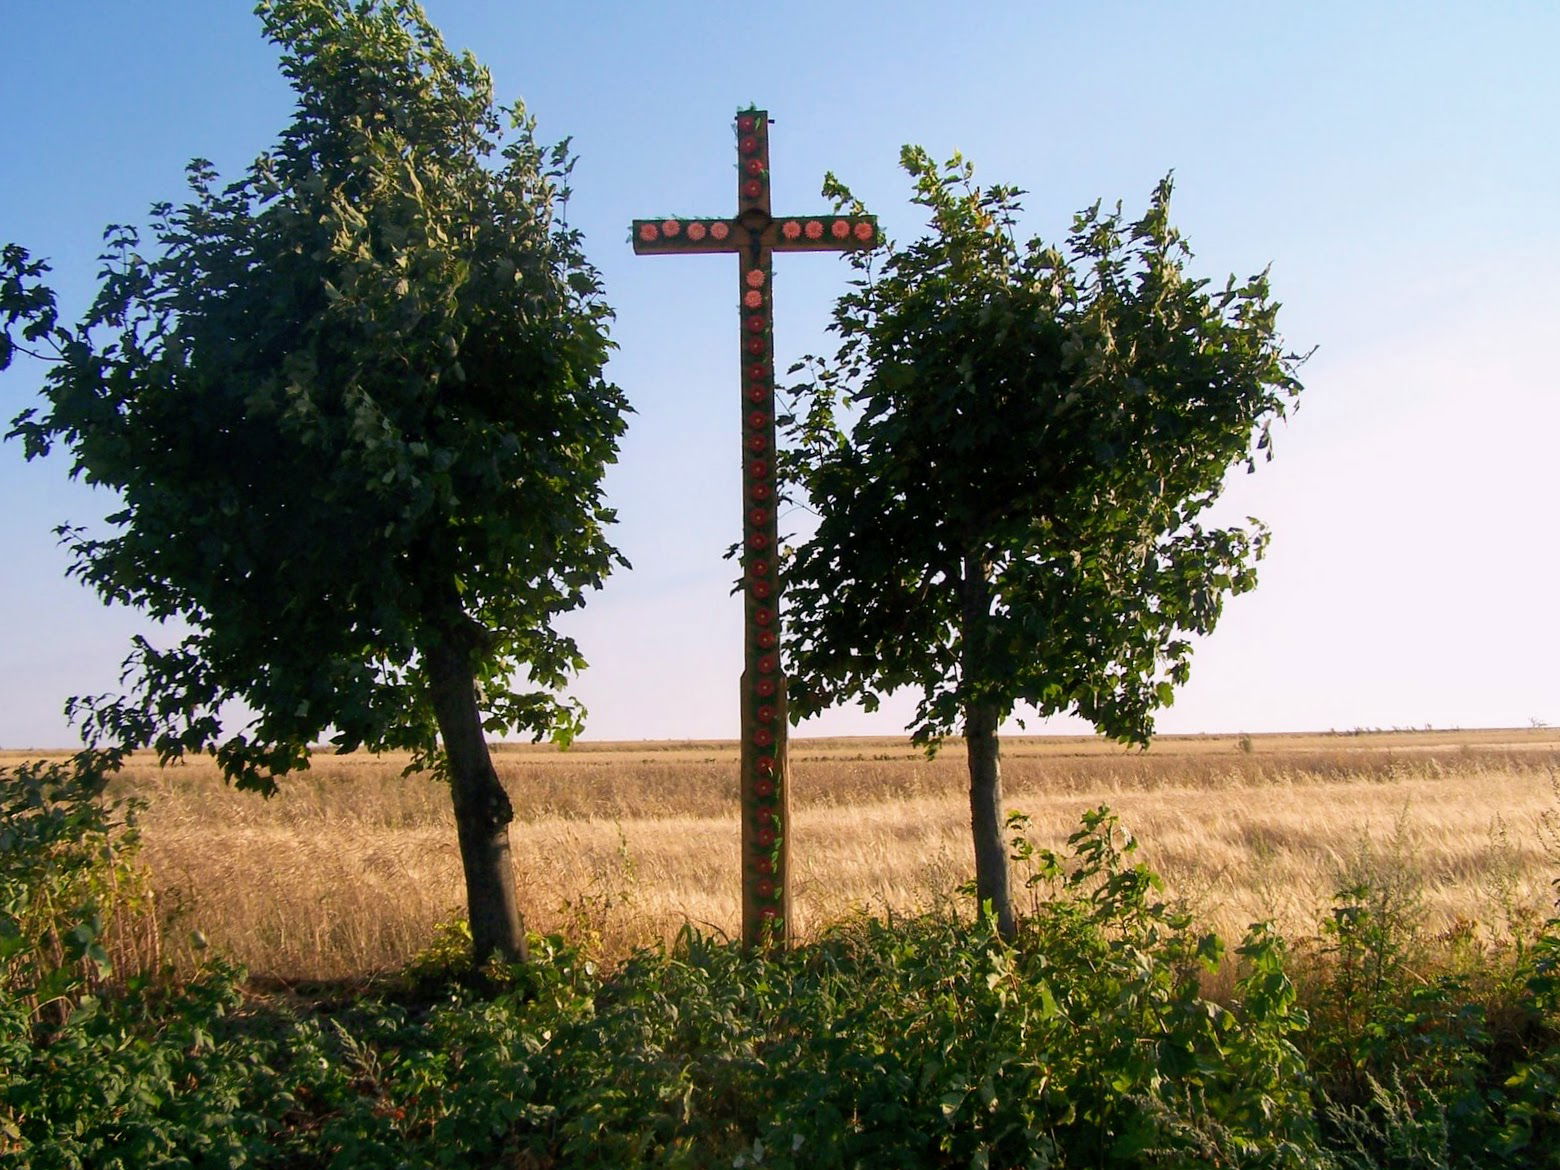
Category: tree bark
<point>482,808</point>
<point>993,886</point>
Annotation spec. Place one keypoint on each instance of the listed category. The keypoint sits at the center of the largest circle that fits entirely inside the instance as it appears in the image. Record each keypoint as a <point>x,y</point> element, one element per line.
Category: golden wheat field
<point>351,868</point>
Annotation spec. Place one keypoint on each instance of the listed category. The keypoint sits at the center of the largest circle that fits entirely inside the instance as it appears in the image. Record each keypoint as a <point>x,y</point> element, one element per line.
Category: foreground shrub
<point>931,1042</point>
<point>70,890</point>
<point>1087,1041</point>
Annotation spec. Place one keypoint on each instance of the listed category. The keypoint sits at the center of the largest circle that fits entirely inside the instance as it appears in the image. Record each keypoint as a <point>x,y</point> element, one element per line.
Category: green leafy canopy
<point>1012,513</point>
<point>353,404</point>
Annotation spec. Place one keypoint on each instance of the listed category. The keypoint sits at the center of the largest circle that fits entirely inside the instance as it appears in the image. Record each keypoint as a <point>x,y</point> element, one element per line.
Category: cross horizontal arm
<point>822,233</point>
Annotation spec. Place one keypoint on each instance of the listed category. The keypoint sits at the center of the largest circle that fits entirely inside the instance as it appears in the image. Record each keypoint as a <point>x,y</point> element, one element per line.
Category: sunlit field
<point>351,868</point>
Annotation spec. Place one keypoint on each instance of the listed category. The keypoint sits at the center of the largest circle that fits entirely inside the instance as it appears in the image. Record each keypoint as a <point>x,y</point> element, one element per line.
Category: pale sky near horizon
<point>1394,164</point>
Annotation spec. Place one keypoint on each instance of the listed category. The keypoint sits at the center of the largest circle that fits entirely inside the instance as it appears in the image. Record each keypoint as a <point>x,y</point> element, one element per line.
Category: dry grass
<point>351,867</point>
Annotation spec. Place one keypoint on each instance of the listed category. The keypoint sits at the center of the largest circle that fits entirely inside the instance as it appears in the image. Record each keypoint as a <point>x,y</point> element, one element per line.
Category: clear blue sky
<point>1394,163</point>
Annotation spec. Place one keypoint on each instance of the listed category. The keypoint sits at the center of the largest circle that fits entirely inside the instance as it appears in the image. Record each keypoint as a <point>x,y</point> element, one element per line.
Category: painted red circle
<point>648,231</point>
<point>766,888</point>
<point>766,714</point>
<point>758,541</point>
<point>757,443</point>
<point>759,568</point>
<point>755,278</point>
<point>758,372</point>
<point>758,469</point>
<point>753,188</point>
<point>697,231</point>
<point>758,517</point>
<point>766,638</point>
<point>763,865</point>
<point>720,230</point>
<point>755,166</point>
<point>768,664</point>
<point>814,230</point>
<point>764,617</point>
<point>758,418</point>
<point>762,589</point>
<point>759,491</point>
<point>764,787</point>
<point>763,737</point>
<point>765,687</point>
<point>765,814</point>
<point>766,764</point>
<point>756,394</point>
<point>756,323</point>
<point>864,231</point>
<point>766,838</point>
<point>840,228</point>
<point>752,299</point>
<point>790,229</point>
<point>670,227</point>
<point>755,346</point>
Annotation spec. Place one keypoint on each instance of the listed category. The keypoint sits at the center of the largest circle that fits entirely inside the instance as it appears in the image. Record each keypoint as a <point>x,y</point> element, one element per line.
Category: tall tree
<point>1009,512</point>
<point>354,409</point>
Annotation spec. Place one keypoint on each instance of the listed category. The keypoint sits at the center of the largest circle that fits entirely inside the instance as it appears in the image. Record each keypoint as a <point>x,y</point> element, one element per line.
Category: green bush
<point>70,889</point>
<point>100,1064</point>
<point>930,1042</point>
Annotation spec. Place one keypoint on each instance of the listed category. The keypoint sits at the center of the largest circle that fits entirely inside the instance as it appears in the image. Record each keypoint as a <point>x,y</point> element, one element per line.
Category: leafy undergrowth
<point>926,1042</point>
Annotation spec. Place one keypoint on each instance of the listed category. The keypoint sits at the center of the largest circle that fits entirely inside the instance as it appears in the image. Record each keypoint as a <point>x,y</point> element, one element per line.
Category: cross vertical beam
<point>755,235</point>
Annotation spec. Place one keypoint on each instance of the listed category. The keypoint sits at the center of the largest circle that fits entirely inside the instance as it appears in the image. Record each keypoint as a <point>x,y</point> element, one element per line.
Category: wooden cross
<point>755,235</point>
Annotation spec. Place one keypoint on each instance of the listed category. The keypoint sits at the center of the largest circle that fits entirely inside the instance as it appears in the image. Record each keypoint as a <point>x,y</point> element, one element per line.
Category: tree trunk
<point>992,883</point>
<point>482,809</point>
